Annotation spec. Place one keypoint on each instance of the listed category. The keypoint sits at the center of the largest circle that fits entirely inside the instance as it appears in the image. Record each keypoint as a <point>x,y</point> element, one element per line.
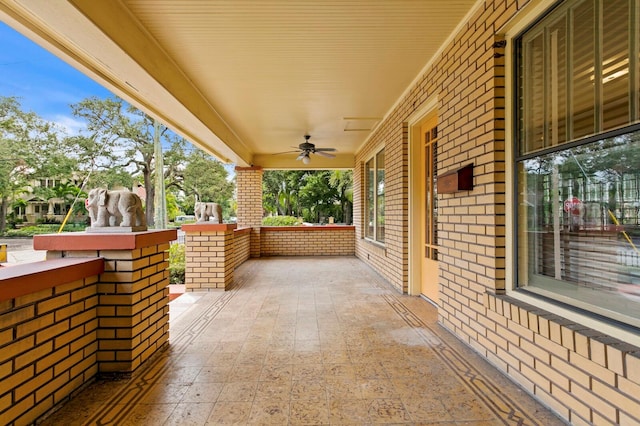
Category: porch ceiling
<point>246,79</point>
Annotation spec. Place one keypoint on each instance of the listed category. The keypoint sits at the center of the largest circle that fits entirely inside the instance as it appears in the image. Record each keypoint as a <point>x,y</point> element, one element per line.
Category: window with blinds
<point>578,157</point>
<point>578,73</point>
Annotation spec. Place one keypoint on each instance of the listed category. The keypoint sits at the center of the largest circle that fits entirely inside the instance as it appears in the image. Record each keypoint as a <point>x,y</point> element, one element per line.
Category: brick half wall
<point>133,291</point>
<point>214,251</point>
<point>307,240</point>
<point>48,334</point>
<point>242,245</point>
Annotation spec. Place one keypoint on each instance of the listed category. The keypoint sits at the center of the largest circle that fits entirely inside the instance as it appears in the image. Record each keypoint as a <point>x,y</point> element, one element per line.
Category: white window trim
<point>530,14</point>
<point>374,157</point>
<point>510,32</point>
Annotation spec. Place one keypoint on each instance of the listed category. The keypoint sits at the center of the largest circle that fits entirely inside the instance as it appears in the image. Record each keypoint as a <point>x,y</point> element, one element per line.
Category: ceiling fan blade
<point>325,154</point>
<point>285,152</point>
<point>326,149</point>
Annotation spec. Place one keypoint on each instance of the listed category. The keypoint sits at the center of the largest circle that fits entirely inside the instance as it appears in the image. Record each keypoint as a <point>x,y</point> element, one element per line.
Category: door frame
<point>415,120</point>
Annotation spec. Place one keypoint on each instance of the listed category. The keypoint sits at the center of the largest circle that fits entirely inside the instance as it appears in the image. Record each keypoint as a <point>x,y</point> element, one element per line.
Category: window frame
<point>376,232</point>
<point>515,156</point>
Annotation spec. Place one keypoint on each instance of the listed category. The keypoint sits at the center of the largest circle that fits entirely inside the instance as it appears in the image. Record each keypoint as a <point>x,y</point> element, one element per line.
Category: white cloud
<point>70,125</point>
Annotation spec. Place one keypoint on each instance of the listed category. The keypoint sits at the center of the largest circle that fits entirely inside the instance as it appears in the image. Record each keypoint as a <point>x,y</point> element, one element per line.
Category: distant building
<point>38,207</point>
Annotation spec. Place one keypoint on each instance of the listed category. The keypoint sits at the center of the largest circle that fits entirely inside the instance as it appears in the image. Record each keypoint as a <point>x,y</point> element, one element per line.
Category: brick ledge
<point>308,228</point>
<point>208,227</point>
<point>20,280</point>
<point>75,241</point>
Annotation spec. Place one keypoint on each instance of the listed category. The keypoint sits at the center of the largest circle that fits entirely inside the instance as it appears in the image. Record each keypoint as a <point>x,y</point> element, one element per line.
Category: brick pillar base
<point>256,242</point>
<point>210,257</point>
<point>133,311</point>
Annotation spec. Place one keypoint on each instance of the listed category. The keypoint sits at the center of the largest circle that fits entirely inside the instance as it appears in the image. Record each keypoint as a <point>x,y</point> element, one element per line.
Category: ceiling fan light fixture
<point>306,148</point>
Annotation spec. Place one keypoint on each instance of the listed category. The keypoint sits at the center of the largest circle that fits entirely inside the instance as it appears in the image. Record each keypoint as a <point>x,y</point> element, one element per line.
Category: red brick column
<point>132,309</point>
<point>209,255</point>
<point>249,184</point>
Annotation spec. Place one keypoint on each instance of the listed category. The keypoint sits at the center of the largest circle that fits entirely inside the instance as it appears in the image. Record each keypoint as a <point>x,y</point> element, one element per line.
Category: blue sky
<point>42,83</point>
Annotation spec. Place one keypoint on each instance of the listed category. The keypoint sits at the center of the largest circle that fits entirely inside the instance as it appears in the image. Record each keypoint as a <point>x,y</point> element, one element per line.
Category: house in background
<point>46,199</point>
<point>49,200</point>
<point>494,146</point>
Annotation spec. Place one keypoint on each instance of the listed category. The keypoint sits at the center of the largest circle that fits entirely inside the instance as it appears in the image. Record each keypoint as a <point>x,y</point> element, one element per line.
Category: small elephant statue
<point>205,211</point>
<point>115,208</point>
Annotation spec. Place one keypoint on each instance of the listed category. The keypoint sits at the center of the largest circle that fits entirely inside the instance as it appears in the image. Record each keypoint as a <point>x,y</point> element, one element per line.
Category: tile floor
<point>306,341</point>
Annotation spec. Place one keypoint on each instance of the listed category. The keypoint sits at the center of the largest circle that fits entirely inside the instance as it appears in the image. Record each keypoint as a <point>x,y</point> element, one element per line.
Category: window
<point>578,157</point>
<point>374,197</point>
<point>431,196</point>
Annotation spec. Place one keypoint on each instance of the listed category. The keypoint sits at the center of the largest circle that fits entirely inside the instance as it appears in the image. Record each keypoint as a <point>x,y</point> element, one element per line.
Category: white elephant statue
<point>115,208</point>
<point>205,211</point>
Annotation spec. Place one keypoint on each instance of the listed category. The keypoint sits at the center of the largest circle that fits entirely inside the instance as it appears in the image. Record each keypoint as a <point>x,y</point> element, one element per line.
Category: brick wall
<point>249,190</point>
<point>598,385</point>
<point>308,241</point>
<point>209,256</point>
<point>390,259</point>
<point>48,335</point>
<point>134,313</point>
<point>97,305</point>
<point>584,375</point>
<point>242,246</point>
<point>133,306</point>
<point>214,251</point>
<point>468,81</point>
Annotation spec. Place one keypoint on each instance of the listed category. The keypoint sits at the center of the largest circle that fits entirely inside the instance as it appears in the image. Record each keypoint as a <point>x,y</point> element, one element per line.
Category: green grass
<point>30,231</point>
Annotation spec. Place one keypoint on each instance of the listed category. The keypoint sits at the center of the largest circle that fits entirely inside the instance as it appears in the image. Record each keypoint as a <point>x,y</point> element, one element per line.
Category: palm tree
<point>66,191</point>
<point>20,204</point>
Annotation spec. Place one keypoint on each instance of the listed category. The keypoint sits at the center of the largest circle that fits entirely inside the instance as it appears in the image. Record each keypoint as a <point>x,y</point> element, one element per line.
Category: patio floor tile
<point>307,341</point>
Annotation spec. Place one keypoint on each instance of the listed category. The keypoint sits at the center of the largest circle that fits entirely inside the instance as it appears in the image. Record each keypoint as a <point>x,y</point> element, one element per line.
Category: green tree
<point>61,193</point>
<point>342,181</point>
<point>29,147</point>
<point>69,192</point>
<point>111,178</point>
<point>173,209</point>
<point>120,136</point>
<point>280,189</point>
<point>18,207</point>
<point>318,197</point>
<point>271,181</point>
<point>206,179</point>
<point>315,195</point>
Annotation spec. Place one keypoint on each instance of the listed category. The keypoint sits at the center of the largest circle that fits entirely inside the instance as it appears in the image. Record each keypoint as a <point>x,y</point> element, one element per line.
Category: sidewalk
<point>24,256</point>
<point>20,250</point>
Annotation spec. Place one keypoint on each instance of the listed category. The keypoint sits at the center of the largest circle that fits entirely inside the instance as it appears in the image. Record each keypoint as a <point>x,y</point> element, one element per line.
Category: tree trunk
<point>149,198</point>
<point>3,214</point>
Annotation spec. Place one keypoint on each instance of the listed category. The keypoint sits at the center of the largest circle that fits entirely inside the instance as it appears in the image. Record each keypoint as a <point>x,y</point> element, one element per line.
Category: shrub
<point>13,221</point>
<point>48,220</point>
<point>30,231</point>
<point>176,264</point>
<point>280,221</point>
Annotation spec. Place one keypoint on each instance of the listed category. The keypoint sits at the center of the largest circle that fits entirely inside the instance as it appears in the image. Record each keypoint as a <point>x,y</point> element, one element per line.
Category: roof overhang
<point>247,80</point>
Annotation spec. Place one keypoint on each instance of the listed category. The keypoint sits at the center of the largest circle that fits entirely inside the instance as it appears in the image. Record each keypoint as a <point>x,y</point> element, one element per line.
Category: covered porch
<point>306,340</point>
<point>409,94</point>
